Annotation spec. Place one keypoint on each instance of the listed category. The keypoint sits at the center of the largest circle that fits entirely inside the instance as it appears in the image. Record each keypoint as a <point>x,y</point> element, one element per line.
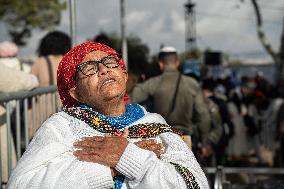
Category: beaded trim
<point>132,113</point>
<point>188,177</point>
<point>118,181</point>
<point>146,130</point>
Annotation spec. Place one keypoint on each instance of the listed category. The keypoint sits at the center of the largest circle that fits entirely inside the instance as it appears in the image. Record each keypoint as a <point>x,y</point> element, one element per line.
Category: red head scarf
<point>67,68</point>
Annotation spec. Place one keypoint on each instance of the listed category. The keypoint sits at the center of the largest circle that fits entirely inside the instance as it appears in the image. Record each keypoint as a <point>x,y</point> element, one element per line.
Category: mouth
<point>108,81</point>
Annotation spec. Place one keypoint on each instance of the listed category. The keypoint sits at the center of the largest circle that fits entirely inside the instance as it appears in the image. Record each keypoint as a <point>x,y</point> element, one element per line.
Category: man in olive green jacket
<point>183,111</point>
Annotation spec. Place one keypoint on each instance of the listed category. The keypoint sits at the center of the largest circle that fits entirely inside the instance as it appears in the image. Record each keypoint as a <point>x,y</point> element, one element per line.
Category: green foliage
<point>21,16</point>
<point>193,54</point>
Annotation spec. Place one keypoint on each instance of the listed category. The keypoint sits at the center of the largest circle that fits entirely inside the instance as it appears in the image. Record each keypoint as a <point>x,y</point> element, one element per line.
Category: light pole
<point>73,24</point>
<point>123,33</point>
<point>190,31</point>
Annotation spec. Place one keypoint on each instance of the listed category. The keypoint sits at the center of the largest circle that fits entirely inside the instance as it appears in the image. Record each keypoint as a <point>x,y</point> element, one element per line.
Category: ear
<point>125,73</point>
<point>162,66</point>
<point>177,63</point>
<point>73,93</point>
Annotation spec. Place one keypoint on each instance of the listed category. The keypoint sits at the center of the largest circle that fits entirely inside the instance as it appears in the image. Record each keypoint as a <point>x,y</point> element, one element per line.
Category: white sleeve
<point>49,163</point>
<point>143,169</point>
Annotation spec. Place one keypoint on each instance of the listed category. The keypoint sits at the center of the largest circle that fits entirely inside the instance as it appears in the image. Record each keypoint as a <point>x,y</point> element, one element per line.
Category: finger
<point>154,147</point>
<point>87,138</point>
<point>146,142</point>
<point>88,143</point>
<point>149,141</point>
<point>89,158</point>
<point>159,152</point>
<point>139,144</point>
<point>93,158</point>
<point>125,133</point>
<point>86,151</point>
<point>97,138</point>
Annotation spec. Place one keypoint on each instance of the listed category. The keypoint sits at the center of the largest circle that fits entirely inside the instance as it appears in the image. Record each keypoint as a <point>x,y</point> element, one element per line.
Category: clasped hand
<point>107,150</point>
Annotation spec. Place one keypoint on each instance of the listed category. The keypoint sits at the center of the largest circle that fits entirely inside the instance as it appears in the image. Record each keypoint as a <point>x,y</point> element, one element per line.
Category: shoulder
<point>153,80</point>
<point>37,64</point>
<point>56,125</point>
<point>55,58</point>
<point>39,60</point>
<point>190,81</point>
<point>60,118</point>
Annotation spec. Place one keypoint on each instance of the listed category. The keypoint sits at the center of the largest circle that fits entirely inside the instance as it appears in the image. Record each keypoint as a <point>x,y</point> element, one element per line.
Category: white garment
<point>11,80</point>
<point>238,144</point>
<point>14,80</point>
<point>13,62</point>
<point>49,163</point>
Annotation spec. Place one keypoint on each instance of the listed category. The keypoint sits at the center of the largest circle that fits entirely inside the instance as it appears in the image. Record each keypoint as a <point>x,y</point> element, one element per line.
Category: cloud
<point>135,18</point>
<point>221,24</point>
<point>178,22</point>
<point>231,28</point>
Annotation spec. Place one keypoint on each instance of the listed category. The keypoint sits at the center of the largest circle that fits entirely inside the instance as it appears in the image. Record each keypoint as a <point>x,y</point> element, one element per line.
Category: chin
<point>110,95</point>
<point>112,90</point>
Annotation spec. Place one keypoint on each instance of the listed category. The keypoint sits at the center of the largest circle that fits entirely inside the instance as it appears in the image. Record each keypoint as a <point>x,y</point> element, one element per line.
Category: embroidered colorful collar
<point>116,125</point>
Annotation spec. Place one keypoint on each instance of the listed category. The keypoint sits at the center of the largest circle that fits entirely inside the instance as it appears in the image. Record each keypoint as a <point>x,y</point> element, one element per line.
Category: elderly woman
<point>98,141</point>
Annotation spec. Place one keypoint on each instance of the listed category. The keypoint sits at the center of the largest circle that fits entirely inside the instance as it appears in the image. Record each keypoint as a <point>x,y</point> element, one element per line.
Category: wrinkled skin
<point>108,150</point>
<point>104,92</point>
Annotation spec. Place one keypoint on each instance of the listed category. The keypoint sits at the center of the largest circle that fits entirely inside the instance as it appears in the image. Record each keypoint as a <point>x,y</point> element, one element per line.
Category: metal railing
<point>220,173</point>
<point>21,114</point>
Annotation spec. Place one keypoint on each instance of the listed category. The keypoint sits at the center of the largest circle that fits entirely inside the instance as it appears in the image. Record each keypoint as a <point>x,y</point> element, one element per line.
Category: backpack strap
<point>50,72</point>
<point>175,96</point>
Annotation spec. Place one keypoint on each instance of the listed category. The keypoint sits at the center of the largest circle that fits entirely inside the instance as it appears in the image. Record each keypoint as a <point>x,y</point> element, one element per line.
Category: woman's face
<point>105,85</point>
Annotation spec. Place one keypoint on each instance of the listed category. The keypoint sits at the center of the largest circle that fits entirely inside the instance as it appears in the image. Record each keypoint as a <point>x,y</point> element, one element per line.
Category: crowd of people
<point>232,121</point>
<point>102,133</point>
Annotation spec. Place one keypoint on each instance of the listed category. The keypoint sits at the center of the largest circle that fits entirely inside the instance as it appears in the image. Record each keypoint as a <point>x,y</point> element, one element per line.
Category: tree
<point>278,57</point>
<point>23,16</point>
<point>138,52</point>
<point>194,53</point>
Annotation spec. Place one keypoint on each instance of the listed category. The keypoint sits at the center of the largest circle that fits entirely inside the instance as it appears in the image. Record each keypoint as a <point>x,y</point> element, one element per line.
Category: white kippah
<point>168,49</point>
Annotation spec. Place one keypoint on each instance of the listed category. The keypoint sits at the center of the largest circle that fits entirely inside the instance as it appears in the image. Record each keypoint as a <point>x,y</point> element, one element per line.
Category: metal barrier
<point>220,172</point>
<point>24,109</point>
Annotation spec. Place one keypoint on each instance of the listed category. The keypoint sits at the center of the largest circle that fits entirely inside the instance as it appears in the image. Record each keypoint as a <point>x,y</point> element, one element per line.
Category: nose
<point>102,69</point>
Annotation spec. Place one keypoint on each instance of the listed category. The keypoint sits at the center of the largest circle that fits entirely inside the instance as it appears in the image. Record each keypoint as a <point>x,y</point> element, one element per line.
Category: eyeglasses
<point>92,67</point>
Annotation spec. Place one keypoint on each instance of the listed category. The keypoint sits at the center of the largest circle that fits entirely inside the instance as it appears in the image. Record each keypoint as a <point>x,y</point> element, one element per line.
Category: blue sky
<point>226,25</point>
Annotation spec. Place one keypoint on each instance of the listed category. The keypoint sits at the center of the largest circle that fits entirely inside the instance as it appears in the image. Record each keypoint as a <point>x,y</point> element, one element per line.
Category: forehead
<point>95,55</point>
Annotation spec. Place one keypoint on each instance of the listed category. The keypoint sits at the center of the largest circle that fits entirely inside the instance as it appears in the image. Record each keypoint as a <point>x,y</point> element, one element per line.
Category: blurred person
<point>11,80</point>
<point>280,135</point>
<point>8,57</point>
<point>265,114</point>
<point>134,77</point>
<point>261,83</point>
<point>51,49</point>
<point>100,141</point>
<point>104,39</point>
<point>280,126</point>
<point>216,129</point>
<point>238,144</point>
<point>260,119</point>
<point>176,97</point>
<point>218,97</point>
